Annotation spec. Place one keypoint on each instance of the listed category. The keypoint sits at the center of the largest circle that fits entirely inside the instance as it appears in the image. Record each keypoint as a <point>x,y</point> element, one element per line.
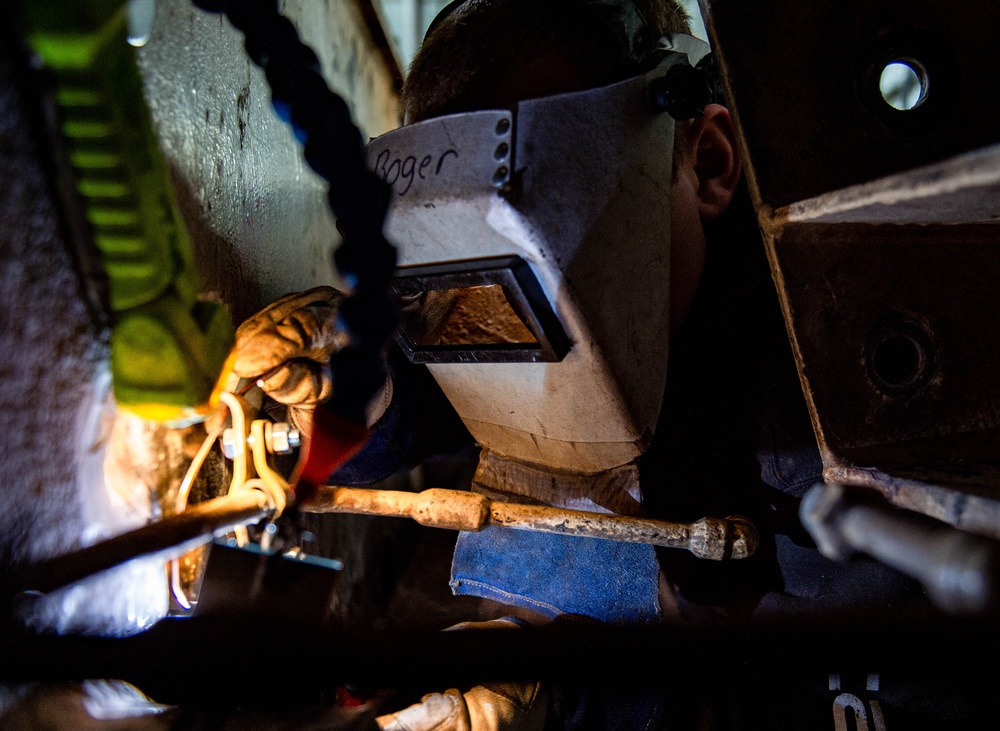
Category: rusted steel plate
<point>896,340</point>
<point>803,79</point>
<point>880,227</point>
<point>895,328</point>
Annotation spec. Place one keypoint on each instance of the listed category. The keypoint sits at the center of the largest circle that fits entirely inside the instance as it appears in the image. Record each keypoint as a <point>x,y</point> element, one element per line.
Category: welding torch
<point>710,538</point>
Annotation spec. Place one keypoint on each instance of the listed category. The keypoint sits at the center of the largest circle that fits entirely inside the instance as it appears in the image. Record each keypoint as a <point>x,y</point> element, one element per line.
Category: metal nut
<point>229,443</point>
<point>282,438</point>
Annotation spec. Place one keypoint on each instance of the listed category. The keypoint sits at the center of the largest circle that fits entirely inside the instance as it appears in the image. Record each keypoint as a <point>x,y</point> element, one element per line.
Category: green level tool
<point>169,348</point>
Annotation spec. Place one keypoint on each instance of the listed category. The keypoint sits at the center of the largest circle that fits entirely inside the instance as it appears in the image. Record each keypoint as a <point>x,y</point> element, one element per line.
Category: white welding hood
<point>534,262</point>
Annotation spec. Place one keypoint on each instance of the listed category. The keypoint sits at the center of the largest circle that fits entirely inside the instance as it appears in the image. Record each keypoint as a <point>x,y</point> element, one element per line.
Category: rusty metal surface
<point>879,225</point>
<point>896,341</point>
<point>915,488</point>
<point>866,300</point>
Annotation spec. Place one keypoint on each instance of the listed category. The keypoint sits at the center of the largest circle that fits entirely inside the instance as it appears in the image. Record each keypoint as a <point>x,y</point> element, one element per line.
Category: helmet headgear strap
<point>635,38</point>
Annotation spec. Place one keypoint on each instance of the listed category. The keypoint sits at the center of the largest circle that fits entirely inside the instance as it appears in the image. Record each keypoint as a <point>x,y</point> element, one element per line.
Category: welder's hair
<point>469,60</point>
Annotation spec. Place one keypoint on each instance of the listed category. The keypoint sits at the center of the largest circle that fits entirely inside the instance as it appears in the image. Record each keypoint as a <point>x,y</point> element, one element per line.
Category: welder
<point>612,231</point>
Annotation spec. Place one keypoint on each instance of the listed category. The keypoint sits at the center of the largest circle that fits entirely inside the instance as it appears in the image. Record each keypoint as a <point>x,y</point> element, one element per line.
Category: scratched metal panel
<point>897,343</point>
<point>257,213</point>
<point>802,78</point>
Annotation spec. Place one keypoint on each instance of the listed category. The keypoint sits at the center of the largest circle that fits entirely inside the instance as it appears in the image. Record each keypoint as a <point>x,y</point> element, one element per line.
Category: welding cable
<point>180,505</point>
<point>268,482</point>
<point>184,491</point>
<point>334,149</point>
<point>239,455</point>
<point>230,402</point>
<point>239,427</point>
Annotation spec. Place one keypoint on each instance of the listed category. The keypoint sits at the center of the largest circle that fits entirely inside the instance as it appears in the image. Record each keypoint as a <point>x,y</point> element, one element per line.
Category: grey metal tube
<point>959,570</point>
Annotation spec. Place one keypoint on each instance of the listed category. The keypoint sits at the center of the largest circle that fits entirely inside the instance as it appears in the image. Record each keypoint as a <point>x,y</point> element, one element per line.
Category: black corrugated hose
<point>334,149</point>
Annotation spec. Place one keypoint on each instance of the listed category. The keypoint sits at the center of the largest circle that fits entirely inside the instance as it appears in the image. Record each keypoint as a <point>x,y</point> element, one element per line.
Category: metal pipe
<point>959,570</point>
<point>711,538</point>
<point>179,662</point>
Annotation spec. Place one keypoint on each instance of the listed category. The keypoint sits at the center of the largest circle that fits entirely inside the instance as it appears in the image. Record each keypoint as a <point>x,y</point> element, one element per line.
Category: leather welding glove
<point>287,347</point>
<point>511,706</point>
<point>490,707</point>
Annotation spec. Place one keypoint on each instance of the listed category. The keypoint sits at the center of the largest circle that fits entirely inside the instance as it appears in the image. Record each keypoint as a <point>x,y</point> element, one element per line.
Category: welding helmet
<point>534,262</point>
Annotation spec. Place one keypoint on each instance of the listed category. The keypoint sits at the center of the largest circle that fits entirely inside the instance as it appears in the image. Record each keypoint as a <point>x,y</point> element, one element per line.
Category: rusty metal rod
<point>711,538</point>
<point>176,534</point>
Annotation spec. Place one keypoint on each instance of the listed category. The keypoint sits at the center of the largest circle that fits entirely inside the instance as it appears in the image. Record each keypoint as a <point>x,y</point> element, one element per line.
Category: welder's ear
<point>714,152</point>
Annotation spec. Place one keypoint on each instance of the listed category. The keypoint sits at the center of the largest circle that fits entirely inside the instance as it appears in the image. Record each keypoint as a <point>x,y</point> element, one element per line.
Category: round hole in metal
<point>897,360</point>
<point>904,84</point>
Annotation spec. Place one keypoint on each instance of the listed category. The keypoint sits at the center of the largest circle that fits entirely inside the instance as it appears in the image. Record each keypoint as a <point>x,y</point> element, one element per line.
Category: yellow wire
<point>180,506</point>
<point>196,464</point>
<point>239,477</point>
<point>239,427</point>
<point>276,485</point>
<point>239,456</point>
<point>273,486</point>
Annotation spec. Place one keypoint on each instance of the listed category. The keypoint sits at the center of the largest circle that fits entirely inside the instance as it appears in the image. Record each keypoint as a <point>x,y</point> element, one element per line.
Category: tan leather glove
<point>287,348</point>
<point>492,707</point>
<point>515,706</point>
<point>288,345</point>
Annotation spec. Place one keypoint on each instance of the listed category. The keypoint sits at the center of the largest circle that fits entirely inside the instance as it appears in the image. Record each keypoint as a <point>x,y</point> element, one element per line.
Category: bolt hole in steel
<point>500,154</point>
<point>899,358</point>
<point>896,360</point>
<point>503,126</point>
<point>904,84</point>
